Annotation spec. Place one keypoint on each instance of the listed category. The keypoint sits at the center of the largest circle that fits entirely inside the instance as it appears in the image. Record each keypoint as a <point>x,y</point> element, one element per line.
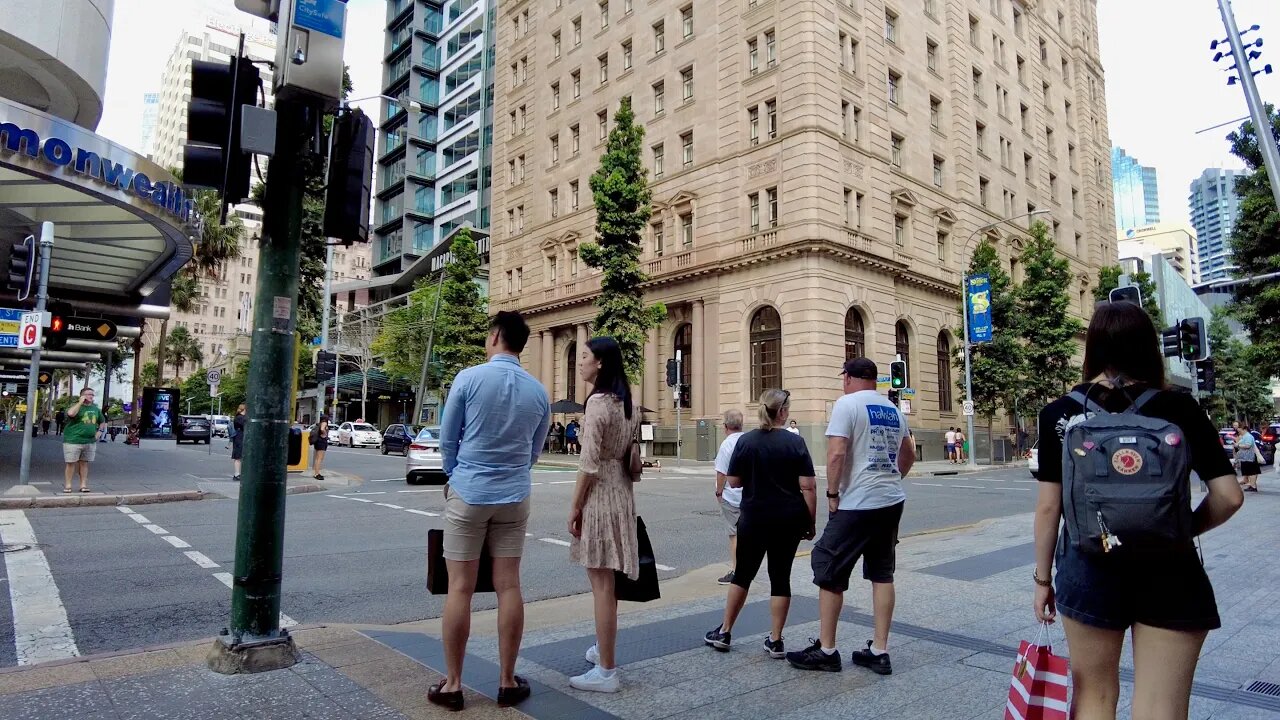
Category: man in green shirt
<point>80,438</point>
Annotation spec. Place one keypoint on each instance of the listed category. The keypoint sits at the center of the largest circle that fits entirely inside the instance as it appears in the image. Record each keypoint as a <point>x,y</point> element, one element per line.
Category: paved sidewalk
<point>696,467</point>
<point>963,604</point>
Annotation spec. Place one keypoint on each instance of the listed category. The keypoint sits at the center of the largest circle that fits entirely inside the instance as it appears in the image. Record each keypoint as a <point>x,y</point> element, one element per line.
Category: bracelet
<point>1041,583</point>
<point>833,496</point>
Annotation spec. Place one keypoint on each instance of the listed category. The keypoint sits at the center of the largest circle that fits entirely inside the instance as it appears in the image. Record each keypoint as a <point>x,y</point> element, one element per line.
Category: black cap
<point>861,368</point>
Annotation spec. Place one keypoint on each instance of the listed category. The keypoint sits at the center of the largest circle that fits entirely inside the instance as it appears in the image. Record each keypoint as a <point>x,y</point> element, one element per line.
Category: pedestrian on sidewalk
<point>1247,458</point>
<point>951,445</point>
<point>602,518</point>
<point>962,446</point>
<point>492,431</point>
<point>80,439</point>
<point>1153,584</point>
<point>869,451</point>
<point>730,497</point>
<point>774,471</point>
<point>45,422</point>
<point>237,441</point>
<point>60,420</point>
<point>793,428</point>
<point>320,441</point>
<point>573,447</point>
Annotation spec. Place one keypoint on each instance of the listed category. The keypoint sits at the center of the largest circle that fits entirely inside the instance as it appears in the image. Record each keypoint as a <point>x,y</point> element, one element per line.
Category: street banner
<point>977,297</point>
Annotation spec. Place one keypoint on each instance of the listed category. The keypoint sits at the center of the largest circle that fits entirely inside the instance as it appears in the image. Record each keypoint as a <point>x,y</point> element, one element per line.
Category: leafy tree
<point>1047,327</point>
<point>149,376</point>
<point>1243,390</point>
<point>997,365</point>
<point>1109,279</point>
<point>463,324</point>
<point>402,339</point>
<point>355,340</point>
<point>184,290</point>
<point>180,347</point>
<point>233,387</point>
<point>622,198</point>
<point>195,395</point>
<point>1255,246</point>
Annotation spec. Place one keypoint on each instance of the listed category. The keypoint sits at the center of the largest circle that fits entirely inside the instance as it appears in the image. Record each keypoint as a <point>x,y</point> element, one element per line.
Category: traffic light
<point>56,338</point>
<point>671,372</point>
<point>1192,340</point>
<point>1205,379</point>
<point>1170,342</point>
<point>897,375</point>
<point>212,157</point>
<point>22,265</point>
<point>326,366</point>
<point>1128,293</point>
<point>350,179</point>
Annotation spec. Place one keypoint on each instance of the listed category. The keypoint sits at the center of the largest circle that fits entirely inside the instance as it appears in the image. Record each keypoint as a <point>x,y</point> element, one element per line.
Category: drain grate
<point>13,547</point>
<point>1264,688</point>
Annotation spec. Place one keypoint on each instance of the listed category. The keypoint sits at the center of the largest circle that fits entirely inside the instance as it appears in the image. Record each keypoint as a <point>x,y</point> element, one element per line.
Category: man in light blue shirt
<point>493,428</point>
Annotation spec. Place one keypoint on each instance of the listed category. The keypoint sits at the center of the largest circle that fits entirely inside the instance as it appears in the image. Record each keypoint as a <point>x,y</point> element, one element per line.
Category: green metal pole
<point>255,593</point>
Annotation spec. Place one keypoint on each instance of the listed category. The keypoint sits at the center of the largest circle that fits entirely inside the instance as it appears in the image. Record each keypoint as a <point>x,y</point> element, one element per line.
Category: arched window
<point>571,372</point>
<point>902,346</point>
<point>855,339</point>
<point>684,346</point>
<point>766,351</point>
<point>945,399</point>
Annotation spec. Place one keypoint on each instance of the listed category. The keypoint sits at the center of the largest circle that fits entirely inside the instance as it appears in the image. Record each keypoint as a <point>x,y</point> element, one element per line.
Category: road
<point>131,577</point>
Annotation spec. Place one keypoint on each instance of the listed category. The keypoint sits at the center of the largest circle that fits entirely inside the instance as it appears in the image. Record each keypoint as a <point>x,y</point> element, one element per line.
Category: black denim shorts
<point>1115,592</point>
<point>871,535</point>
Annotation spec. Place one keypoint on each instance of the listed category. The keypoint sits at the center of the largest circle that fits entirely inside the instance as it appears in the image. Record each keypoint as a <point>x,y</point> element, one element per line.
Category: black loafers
<point>508,696</point>
<point>451,701</point>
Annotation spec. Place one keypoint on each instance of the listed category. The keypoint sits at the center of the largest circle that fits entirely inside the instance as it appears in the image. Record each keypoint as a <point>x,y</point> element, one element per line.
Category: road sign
<point>22,407</point>
<point>29,337</point>
<point>213,376</point>
<point>213,389</point>
<point>90,328</point>
<point>968,408</point>
<point>10,323</point>
<point>908,392</point>
<point>44,378</point>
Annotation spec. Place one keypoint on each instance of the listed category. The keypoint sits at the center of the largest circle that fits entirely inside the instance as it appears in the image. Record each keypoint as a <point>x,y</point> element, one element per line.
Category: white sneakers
<point>593,655</point>
<point>595,680</point>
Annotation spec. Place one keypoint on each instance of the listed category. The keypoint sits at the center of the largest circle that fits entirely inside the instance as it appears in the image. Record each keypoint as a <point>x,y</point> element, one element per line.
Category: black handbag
<point>438,571</point>
<point>645,587</point>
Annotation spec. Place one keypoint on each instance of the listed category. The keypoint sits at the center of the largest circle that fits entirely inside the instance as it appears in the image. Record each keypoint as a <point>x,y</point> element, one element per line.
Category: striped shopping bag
<point>1040,683</point>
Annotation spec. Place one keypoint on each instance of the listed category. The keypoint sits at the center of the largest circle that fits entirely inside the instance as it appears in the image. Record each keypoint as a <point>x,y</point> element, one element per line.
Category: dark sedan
<point>194,428</point>
<point>398,438</point>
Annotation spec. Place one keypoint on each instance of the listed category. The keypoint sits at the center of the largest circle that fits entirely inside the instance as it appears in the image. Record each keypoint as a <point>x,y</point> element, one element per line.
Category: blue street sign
<point>10,323</point>
<point>326,16</point>
<point>977,301</point>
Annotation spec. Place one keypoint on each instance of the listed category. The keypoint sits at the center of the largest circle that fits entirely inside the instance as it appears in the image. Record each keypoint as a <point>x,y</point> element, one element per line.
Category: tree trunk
<point>164,332</point>
<point>973,446</point>
<point>106,384</point>
<point>364,393</point>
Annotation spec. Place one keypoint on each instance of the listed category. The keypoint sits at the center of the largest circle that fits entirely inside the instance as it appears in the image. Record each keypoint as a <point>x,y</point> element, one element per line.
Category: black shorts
<point>1249,468</point>
<point>871,535</point>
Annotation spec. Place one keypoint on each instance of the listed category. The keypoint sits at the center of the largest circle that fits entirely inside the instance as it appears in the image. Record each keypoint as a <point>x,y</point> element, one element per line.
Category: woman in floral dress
<point>602,518</point>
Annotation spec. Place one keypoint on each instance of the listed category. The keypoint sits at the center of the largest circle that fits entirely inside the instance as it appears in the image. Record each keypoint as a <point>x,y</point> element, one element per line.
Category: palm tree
<point>182,297</point>
<point>181,347</point>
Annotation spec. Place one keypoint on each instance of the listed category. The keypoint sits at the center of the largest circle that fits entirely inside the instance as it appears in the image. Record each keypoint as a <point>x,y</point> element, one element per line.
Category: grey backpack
<point>1126,481</point>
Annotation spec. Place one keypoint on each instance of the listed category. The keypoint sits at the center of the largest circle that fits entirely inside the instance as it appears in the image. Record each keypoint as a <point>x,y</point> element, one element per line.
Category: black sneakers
<point>727,579</point>
<point>717,639</point>
<point>879,664</point>
<point>775,649</point>
<point>813,658</point>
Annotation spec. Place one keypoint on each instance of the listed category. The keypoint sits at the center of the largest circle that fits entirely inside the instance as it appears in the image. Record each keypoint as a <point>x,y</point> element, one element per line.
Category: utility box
<point>299,450</point>
<point>706,441</point>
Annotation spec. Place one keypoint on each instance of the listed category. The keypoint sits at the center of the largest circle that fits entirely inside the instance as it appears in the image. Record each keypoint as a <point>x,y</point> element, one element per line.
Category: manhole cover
<point>1264,688</point>
<point>13,547</point>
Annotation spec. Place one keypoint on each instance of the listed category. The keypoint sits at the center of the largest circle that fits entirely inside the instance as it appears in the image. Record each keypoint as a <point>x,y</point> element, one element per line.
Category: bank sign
<point>59,154</point>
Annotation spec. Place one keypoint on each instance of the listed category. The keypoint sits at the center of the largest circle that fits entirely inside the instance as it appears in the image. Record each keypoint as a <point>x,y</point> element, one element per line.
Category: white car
<point>422,460</point>
<point>359,435</point>
<point>221,426</point>
<point>1033,463</point>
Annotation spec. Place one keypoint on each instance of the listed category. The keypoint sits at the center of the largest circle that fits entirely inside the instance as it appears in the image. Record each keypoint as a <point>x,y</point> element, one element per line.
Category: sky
<point>1162,83</point>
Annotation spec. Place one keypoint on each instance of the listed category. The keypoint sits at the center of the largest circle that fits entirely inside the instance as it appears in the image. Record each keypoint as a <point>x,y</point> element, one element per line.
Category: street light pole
<point>33,374</point>
<point>1258,111</point>
<point>971,457</point>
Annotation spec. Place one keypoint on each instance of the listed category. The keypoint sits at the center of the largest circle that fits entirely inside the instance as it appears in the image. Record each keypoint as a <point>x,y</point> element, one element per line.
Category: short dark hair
<point>512,330</point>
<point>1122,340</point>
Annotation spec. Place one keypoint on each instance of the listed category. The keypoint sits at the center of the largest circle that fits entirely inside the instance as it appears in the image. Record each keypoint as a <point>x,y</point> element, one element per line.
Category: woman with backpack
<point>1127,557</point>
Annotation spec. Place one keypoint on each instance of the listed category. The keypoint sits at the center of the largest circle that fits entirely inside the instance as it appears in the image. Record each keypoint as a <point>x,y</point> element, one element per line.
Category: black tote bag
<point>438,572</point>
<point>645,587</point>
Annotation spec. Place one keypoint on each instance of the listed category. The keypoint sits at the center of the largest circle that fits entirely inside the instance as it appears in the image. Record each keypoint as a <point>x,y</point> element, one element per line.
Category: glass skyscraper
<point>434,166</point>
<point>1214,209</point>
<point>1136,197</point>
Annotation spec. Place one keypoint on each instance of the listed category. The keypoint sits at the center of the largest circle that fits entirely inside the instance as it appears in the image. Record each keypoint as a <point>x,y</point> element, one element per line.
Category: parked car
<point>397,438</point>
<point>1266,448</point>
<point>195,428</point>
<point>422,460</point>
<point>1227,436</point>
<point>1033,460</point>
<point>221,425</point>
<point>359,435</point>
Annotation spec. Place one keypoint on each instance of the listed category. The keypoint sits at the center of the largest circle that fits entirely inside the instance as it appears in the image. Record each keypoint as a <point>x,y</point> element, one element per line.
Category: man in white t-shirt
<point>730,497</point>
<point>869,451</point>
<point>951,444</point>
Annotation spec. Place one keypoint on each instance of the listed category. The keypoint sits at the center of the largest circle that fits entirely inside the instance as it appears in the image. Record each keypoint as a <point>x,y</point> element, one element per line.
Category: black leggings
<point>779,543</point>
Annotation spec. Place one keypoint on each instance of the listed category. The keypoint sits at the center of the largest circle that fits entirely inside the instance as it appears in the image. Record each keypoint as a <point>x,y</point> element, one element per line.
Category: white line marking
<point>41,631</point>
<point>969,487</point>
<point>422,512</point>
<point>555,541</point>
<point>393,507</point>
<point>225,577</point>
<point>528,534</point>
<point>140,519</point>
<point>380,492</point>
<point>537,483</point>
<point>562,482</point>
<point>200,559</point>
<point>176,542</point>
<point>664,567</point>
<point>384,480</point>
<point>156,529</point>
<point>125,510</point>
<point>336,497</point>
<point>1010,489</point>
<point>1029,482</point>
<point>420,491</point>
<point>360,500</point>
<point>928,484</point>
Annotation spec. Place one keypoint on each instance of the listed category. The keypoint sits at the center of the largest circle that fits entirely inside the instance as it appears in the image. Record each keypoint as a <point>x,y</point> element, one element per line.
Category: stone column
<point>582,343</point>
<point>652,372</point>
<point>548,369</point>
<point>697,350</point>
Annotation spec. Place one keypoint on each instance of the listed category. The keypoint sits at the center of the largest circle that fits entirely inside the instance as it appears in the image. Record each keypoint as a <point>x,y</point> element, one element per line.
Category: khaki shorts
<point>78,452</point>
<point>731,515</point>
<point>467,528</point>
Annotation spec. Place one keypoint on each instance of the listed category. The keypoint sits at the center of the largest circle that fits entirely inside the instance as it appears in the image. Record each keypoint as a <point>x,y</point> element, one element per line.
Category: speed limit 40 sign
<point>30,332</point>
